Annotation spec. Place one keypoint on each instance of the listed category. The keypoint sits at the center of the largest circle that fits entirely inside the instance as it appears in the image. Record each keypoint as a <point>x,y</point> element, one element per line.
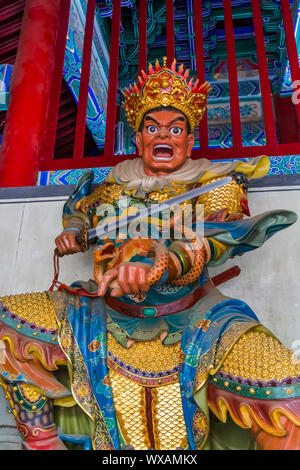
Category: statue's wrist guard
<point>84,240</point>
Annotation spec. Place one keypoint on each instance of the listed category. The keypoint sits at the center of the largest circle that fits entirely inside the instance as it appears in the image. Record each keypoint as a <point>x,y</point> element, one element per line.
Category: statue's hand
<point>131,277</point>
<point>66,243</point>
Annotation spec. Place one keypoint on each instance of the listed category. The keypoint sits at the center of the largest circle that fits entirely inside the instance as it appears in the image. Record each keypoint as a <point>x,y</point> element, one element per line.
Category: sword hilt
<point>81,238</point>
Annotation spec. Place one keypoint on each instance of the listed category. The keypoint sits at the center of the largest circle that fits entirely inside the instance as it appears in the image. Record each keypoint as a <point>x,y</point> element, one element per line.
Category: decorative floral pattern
<point>200,428</point>
<point>97,96</point>
<point>166,289</point>
<point>94,345</point>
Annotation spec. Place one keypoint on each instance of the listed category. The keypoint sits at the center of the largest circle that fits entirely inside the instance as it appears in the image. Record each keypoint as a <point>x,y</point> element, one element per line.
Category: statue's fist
<point>131,279</point>
<point>66,243</point>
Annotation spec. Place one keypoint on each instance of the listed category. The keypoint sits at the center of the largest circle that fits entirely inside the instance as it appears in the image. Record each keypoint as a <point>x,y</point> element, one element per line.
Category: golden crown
<point>165,87</point>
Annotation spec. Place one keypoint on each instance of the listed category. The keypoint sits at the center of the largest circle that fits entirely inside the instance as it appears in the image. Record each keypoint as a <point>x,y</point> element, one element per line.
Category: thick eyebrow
<point>178,118</point>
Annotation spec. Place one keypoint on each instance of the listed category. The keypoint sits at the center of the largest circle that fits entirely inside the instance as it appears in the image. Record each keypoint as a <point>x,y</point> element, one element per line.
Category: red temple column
<point>29,94</point>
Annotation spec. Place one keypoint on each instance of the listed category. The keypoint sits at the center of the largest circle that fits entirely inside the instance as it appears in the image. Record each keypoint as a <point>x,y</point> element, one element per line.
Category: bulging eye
<point>152,129</point>
<point>176,130</point>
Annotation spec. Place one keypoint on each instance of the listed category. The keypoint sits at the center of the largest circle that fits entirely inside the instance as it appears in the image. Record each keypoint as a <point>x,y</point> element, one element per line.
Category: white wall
<point>269,281</point>
<point>270,276</point>
<point>27,233</point>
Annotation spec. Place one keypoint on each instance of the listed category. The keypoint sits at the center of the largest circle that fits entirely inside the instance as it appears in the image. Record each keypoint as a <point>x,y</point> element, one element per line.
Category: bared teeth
<point>166,146</point>
<point>162,152</point>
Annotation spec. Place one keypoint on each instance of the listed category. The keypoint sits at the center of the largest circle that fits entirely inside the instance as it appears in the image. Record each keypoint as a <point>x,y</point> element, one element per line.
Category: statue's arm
<point>229,232</point>
<point>75,218</point>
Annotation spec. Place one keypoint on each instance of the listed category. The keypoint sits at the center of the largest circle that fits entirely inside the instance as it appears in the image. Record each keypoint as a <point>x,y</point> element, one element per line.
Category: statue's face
<point>164,143</point>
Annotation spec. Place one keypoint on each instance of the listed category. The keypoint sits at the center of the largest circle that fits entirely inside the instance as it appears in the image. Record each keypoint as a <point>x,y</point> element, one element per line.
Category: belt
<point>151,311</point>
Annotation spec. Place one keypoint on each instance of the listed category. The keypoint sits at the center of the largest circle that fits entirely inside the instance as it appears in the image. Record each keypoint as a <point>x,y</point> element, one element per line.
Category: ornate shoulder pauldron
<point>227,203</point>
<point>106,193</point>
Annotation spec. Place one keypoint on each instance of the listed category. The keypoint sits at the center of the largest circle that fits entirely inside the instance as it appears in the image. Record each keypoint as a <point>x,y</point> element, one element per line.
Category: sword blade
<point>109,227</point>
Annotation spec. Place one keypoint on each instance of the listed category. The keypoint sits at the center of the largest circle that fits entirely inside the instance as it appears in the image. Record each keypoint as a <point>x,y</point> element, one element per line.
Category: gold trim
<point>143,381</point>
<point>249,417</point>
<point>144,420</point>
<point>154,424</point>
<point>122,428</point>
<point>65,402</point>
<point>35,431</point>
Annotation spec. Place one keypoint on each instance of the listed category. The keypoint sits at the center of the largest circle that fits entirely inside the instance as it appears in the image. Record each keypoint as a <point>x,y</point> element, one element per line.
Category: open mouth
<point>162,152</point>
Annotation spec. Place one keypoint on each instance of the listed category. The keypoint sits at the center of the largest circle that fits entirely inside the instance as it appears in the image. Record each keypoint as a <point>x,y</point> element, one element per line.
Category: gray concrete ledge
<point>61,191</point>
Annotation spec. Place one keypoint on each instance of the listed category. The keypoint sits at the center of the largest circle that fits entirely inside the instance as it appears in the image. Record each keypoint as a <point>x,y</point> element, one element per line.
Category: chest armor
<point>146,393</point>
<point>226,197</point>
